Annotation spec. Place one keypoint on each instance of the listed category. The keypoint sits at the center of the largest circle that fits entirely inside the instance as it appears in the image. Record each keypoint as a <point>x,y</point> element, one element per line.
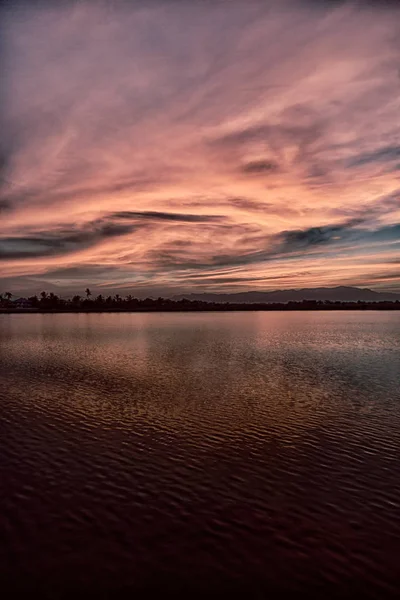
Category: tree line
<point>52,302</point>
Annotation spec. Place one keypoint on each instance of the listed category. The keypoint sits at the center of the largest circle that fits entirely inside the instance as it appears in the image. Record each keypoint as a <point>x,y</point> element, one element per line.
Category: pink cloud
<point>271,117</point>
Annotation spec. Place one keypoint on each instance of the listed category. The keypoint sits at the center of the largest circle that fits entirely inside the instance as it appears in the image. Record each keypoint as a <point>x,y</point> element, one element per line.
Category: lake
<point>249,453</point>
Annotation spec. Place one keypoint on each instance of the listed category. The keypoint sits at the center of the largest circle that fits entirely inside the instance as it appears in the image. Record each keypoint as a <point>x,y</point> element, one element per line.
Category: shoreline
<point>231,308</point>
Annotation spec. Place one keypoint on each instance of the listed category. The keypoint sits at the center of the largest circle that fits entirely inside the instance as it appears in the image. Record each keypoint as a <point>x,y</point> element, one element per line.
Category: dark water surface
<point>241,453</point>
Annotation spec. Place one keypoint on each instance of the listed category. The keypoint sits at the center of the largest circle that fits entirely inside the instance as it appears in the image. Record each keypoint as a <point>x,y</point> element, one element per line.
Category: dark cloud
<point>301,239</point>
<point>386,154</point>
<point>72,239</point>
<point>247,204</point>
<point>62,240</point>
<point>243,136</point>
<point>390,233</point>
<point>300,128</point>
<point>350,231</point>
<point>260,166</point>
<point>395,276</point>
<point>287,245</point>
<point>165,216</point>
<point>77,271</point>
<point>59,242</point>
<point>243,203</point>
<point>5,205</point>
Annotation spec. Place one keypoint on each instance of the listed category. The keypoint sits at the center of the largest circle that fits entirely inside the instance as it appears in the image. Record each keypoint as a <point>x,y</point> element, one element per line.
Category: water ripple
<point>247,455</point>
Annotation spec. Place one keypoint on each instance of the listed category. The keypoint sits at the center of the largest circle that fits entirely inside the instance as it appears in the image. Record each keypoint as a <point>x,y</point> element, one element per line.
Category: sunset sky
<point>162,147</point>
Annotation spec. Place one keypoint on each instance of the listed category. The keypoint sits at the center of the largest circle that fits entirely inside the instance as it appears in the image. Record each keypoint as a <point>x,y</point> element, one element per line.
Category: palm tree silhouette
<point>88,293</point>
<point>53,298</point>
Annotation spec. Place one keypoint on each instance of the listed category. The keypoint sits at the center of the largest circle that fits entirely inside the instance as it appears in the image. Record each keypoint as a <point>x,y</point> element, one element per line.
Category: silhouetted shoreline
<point>195,306</point>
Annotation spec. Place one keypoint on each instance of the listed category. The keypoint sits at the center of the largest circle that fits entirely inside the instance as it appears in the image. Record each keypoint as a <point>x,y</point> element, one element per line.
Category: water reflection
<point>260,447</point>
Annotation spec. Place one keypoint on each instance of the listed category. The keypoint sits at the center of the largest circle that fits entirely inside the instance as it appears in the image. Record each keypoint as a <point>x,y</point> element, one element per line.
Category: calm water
<point>241,452</point>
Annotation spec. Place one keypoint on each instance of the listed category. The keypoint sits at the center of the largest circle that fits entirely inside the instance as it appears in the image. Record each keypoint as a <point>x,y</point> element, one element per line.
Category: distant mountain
<point>341,293</point>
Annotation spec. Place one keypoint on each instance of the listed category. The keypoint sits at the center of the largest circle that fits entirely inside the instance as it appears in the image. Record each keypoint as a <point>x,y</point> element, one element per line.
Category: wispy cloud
<point>69,239</point>
<point>152,143</point>
<point>387,154</point>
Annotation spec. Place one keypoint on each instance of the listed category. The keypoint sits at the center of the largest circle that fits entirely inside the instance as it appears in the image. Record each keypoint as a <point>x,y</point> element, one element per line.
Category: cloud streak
<point>70,239</point>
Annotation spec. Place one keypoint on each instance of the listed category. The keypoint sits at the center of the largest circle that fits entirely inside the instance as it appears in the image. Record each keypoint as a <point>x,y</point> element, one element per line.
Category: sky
<point>165,147</point>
